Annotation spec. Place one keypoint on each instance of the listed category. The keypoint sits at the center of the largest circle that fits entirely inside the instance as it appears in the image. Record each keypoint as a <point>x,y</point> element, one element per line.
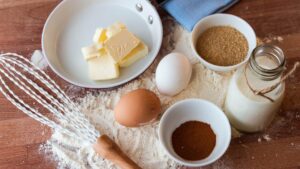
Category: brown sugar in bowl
<point>223,20</point>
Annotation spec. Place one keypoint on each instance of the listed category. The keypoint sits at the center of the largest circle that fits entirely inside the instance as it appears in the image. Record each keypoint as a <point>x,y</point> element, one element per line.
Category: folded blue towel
<point>189,12</point>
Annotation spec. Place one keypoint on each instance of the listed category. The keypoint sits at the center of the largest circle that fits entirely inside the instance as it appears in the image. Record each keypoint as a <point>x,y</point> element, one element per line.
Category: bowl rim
<point>95,86</point>
<point>208,64</point>
<point>184,162</point>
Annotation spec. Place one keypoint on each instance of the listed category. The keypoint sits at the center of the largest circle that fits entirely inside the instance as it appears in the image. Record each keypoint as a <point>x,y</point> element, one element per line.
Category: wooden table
<point>21,24</point>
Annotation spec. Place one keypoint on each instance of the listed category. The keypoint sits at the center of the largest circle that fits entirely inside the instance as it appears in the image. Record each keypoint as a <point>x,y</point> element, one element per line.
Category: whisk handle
<point>109,150</point>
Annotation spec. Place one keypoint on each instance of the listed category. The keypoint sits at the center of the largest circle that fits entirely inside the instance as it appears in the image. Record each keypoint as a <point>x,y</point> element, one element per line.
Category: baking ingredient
<point>193,140</point>
<point>114,29</point>
<point>222,45</point>
<point>116,42</point>
<point>173,74</point>
<point>141,144</point>
<point>121,44</point>
<point>137,108</point>
<point>103,67</point>
<point>99,36</point>
<point>250,112</point>
<point>92,51</point>
<point>137,53</point>
<point>38,59</point>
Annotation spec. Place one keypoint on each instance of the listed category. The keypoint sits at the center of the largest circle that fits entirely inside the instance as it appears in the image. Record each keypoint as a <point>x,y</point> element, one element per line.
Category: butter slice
<point>92,51</point>
<point>103,68</point>
<point>120,25</point>
<point>99,36</point>
<point>121,44</point>
<point>114,29</point>
<point>136,54</point>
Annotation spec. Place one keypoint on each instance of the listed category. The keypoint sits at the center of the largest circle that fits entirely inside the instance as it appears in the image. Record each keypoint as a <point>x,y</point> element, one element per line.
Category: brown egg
<point>137,107</point>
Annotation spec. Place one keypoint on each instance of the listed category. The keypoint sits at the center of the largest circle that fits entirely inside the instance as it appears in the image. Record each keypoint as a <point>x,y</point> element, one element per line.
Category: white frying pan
<point>72,24</point>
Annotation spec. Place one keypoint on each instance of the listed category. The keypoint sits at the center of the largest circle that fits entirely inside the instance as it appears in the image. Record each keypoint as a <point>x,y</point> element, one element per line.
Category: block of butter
<point>92,51</point>
<point>121,44</point>
<point>100,36</point>
<point>103,67</point>
<point>136,54</point>
<point>113,47</point>
<point>114,29</point>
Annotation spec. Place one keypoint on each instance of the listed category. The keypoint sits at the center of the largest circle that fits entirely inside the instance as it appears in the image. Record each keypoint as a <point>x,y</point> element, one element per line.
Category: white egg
<point>173,74</point>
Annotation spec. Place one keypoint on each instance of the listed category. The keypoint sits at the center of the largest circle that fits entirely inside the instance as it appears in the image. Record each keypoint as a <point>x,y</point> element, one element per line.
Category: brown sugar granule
<point>222,45</point>
<point>193,140</point>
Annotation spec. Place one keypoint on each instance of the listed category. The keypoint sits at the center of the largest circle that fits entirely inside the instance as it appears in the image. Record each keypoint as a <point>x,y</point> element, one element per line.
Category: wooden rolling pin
<point>109,150</point>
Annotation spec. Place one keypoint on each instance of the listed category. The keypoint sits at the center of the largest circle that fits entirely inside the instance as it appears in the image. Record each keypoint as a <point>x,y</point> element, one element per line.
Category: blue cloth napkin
<point>189,12</point>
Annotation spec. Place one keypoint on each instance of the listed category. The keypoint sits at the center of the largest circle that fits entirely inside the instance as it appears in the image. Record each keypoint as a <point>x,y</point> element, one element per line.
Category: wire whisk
<point>18,72</point>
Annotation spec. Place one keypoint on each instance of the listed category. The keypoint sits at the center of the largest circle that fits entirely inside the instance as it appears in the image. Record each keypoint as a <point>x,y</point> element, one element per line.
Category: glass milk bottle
<point>246,110</point>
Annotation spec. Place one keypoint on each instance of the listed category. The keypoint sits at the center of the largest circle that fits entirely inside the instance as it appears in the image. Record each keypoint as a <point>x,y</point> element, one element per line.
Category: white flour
<point>141,144</point>
<point>38,59</point>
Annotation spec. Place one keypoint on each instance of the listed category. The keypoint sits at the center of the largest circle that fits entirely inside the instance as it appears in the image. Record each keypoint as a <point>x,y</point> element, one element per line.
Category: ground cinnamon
<point>193,140</point>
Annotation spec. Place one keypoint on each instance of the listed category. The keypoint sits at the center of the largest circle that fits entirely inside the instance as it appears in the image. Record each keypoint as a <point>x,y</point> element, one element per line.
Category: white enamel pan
<point>72,24</point>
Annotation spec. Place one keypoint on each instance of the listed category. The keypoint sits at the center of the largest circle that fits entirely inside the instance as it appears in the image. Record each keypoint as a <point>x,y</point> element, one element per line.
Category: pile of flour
<point>141,144</point>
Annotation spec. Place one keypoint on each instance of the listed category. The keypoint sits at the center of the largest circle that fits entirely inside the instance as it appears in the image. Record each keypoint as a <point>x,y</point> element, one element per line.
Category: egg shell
<point>137,108</point>
<point>173,74</point>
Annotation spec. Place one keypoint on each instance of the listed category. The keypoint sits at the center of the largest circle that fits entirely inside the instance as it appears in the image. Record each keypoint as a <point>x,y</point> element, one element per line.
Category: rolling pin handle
<point>109,150</point>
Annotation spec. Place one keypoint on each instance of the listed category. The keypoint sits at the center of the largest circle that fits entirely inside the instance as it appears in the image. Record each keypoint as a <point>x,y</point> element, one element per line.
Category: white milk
<point>249,112</point>
<point>246,111</point>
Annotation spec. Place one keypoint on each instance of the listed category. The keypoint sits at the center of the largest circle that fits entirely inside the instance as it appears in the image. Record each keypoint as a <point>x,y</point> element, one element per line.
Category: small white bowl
<point>223,20</point>
<point>195,110</point>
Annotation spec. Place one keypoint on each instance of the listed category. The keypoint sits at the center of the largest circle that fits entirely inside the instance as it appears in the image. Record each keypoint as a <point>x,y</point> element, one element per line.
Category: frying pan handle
<point>109,150</point>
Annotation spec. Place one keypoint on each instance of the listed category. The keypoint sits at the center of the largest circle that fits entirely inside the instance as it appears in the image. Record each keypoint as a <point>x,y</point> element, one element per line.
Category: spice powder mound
<point>222,45</point>
<point>193,140</point>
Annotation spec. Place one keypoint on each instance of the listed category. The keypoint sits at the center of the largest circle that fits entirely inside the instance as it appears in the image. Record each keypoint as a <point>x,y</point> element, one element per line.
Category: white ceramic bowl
<point>223,20</point>
<point>72,24</point>
<point>199,110</point>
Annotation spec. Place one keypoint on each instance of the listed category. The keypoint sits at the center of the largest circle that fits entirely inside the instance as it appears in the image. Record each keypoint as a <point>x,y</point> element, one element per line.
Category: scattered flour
<point>141,144</point>
<point>267,137</point>
<point>38,59</point>
<point>259,140</point>
<point>272,39</point>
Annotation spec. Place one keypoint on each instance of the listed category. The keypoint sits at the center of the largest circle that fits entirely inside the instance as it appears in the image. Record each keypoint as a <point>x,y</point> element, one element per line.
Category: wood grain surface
<point>276,21</point>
